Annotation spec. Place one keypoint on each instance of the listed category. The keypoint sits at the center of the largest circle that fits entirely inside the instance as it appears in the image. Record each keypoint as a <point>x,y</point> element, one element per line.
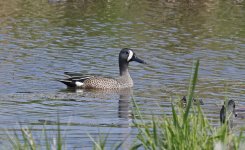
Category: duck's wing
<point>75,79</point>
<point>75,74</point>
<point>79,75</point>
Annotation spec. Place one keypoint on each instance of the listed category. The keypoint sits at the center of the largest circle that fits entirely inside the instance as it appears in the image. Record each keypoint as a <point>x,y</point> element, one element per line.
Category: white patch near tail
<point>130,55</point>
<point>79,84</point>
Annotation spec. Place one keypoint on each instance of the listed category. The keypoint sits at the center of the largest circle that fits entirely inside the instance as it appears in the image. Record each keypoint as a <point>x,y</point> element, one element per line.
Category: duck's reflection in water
<point>123,106</point>
<point>123,96</point>
<point>124,99</point>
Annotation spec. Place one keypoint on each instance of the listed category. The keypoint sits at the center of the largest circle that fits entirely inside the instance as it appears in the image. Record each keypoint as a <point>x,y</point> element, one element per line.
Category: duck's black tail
<point>68,83</point>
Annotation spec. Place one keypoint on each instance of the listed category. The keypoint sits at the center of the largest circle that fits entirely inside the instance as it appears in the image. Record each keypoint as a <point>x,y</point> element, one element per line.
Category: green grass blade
<point>155,132</point>
<point>192,87</point>
<point>175,118</point>
<point>136,146</point>
<point>59,137</point>
<point>47,144</point>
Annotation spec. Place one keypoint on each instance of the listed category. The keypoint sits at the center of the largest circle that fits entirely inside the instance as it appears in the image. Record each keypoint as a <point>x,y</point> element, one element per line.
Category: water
<point>39,40</point>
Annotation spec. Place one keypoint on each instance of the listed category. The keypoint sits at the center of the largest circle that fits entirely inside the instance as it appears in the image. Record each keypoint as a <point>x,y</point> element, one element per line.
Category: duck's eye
<point>127,53</point>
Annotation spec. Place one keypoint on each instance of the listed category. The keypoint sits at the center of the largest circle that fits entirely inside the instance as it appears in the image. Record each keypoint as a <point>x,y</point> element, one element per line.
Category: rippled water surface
<point>39,40</point>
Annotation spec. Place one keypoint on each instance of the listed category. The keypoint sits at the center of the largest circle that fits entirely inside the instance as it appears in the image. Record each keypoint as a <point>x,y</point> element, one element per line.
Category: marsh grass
<point>99,144</point>
<point>26,141</point>
<point>187,128</point>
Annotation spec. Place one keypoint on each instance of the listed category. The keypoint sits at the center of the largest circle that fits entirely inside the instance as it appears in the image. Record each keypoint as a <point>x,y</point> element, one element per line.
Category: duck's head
<point>127,55</point>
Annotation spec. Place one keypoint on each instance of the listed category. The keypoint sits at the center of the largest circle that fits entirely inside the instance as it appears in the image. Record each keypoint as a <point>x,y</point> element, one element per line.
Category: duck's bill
<point>138,60</point>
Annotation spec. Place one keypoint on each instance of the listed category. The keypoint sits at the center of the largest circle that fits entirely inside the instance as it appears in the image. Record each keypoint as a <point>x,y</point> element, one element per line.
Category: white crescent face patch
<point>130,55</point>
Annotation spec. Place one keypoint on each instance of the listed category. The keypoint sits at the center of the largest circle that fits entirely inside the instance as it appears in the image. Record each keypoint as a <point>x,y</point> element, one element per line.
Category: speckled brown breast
<point>101,83</point>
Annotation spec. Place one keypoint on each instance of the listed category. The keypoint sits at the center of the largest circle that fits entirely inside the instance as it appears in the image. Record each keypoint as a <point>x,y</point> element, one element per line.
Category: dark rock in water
<point>228,112</point>
<point>183,100</point>
<point>222,114</point>
<point>196,101</point>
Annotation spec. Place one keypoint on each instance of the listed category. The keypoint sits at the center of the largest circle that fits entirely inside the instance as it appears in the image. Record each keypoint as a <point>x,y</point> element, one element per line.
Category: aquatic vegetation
<point>187,128</point>
<point>26,141</point>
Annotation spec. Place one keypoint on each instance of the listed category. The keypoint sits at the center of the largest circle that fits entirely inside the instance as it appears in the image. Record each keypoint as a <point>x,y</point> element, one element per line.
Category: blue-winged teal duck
<point>126,55</point>
<point>228,110</point>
